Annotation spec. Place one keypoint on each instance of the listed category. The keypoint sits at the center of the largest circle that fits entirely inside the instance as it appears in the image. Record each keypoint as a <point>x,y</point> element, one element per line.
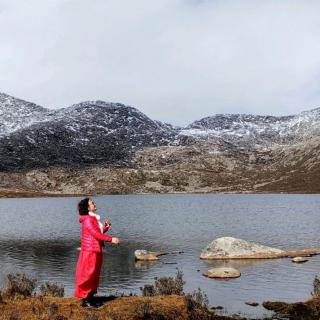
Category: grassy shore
<point>171,307</point>
<point>165,299</point>
<point>122,308</point>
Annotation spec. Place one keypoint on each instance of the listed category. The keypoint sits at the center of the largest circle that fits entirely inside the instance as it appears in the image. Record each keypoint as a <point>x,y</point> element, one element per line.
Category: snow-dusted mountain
<point>16,114</point>
<point>86,133</point>
<point>254,130</point>
<point>105,133</point>
<point>95,119</point>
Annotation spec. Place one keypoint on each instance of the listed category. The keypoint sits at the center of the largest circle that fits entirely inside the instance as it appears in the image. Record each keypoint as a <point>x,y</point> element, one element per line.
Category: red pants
<point>87,273</point>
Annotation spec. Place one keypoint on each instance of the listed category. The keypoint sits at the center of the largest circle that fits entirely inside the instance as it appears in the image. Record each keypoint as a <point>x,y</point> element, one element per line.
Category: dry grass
<point>51,289</point>
<point>309,310</point>
<point>125,308</point>
<point>169,307</point>
<point>165,286</point>
<point>19,285</point>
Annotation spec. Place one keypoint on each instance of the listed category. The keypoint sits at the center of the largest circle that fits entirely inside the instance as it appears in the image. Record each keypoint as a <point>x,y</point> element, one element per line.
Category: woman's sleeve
<point>96,233</point>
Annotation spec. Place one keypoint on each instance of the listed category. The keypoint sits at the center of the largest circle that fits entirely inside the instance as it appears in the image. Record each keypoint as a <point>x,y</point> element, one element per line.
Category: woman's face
<point>91,206</point>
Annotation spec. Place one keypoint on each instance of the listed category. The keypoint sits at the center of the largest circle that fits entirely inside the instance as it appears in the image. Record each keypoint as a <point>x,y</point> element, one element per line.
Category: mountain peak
<point>10,102</point>
<point>16,114</point>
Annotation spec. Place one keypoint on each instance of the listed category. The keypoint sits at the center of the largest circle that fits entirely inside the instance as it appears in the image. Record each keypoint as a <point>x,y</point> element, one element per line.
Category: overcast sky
<point>175,60</point>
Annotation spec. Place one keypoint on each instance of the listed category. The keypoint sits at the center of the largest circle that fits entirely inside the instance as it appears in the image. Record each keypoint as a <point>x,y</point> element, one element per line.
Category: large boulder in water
<point>232,248</point>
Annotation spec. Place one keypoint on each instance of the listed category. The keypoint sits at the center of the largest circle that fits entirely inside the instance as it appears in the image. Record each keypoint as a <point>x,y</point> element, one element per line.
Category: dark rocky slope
<point>84,134</point>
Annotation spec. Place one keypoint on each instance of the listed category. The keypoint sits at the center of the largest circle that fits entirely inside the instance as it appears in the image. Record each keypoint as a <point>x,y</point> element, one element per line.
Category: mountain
<point>93,132</point>
<point>104,147</point>
<point>252,130</point>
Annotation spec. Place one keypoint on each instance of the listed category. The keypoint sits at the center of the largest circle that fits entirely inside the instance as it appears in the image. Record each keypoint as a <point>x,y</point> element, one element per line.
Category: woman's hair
<point>83,207</point>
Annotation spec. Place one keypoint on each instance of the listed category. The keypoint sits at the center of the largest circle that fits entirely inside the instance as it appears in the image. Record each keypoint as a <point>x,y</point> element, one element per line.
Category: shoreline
<point>171,307</point>
<point>12,194</point>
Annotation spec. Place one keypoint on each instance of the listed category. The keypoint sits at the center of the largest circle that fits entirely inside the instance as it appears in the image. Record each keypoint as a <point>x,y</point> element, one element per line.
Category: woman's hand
<point>107,224</point>
<point>115,240</point>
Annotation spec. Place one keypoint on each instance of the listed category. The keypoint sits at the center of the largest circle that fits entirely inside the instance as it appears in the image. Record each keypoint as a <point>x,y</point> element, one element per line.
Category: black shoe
<point>87,304</point>
<point>90,296</point>
<point>96,300</point>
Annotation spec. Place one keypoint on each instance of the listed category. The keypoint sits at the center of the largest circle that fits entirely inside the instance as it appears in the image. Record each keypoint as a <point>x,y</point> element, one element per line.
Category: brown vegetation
<point>165,286</point>
<point>123,308</point>
<point>137,308</point>
<point>51,289</point>
<point>309,310</point>
<point>198,168</point>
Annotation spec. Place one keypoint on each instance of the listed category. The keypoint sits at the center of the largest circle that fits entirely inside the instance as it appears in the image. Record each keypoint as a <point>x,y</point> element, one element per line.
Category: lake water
<point>41,236</point>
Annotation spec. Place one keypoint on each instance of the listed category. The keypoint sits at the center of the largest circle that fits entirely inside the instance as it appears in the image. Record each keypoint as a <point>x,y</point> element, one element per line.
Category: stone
<point>146,255</point>
<point>217,308</point>
<point>231,248</point>
<point>222,273</point>
<point>299,259</point>
<point>252,303</point>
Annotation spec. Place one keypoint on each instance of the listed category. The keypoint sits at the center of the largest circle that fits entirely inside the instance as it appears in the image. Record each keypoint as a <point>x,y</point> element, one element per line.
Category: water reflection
<point>144,265</point>
<point>240,264</point>
<point>56,259</point>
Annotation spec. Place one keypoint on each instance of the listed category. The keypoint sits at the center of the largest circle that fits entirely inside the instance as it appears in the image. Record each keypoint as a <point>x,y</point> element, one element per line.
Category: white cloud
<point>175,60</point>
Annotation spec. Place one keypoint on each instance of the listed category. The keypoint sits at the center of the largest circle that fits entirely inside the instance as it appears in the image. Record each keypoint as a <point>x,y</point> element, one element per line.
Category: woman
<point>90,258</point>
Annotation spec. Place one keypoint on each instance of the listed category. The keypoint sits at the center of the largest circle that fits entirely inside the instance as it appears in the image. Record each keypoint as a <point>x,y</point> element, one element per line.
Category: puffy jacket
<point>91,236</point>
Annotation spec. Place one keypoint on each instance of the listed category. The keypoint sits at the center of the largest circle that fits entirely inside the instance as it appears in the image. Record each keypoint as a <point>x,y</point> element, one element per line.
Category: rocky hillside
<point>93,132</point>
<point>99,147</point>
<point>251,131</point>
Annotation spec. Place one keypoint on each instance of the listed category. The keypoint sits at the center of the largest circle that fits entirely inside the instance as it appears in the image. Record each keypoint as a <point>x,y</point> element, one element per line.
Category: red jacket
<point>91,235</point>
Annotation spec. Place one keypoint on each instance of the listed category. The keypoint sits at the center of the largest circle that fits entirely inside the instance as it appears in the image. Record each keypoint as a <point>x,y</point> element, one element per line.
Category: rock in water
<point>299,259</point>
<point>222,273</point>
<point>146,255</point>
<point>232,248</point>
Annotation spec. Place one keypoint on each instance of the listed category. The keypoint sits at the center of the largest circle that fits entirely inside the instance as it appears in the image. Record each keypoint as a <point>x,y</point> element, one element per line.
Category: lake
<point>40,237</point>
